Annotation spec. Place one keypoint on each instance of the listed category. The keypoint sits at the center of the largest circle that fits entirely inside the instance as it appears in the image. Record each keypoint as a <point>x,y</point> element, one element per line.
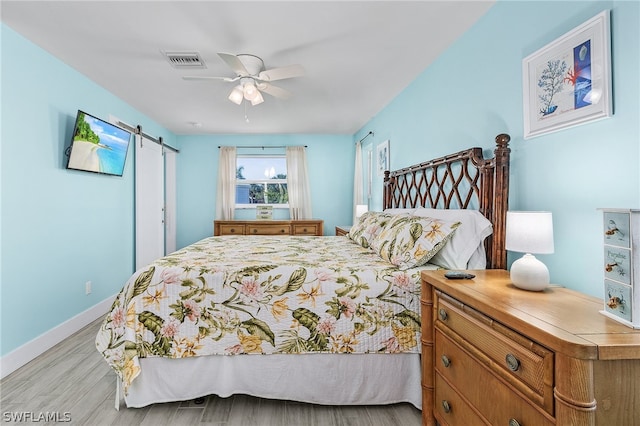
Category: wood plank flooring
<point>73,384</point>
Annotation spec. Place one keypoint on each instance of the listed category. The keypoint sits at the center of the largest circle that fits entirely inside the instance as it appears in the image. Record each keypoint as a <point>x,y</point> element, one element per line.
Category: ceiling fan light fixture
<point>250,90</point>
<point>236,95</point>
<point>258,99</point>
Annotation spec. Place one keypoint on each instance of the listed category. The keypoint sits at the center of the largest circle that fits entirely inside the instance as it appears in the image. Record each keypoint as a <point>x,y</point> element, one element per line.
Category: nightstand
<point>342,230</point>
<point>496,354</point>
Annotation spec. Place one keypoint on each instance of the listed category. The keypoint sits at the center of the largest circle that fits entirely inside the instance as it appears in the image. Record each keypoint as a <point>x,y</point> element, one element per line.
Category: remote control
<point>458,275</point>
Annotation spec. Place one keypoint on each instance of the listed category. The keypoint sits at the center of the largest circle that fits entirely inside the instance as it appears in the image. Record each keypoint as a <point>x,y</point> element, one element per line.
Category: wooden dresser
<point>268,227</point>
<point>493,354</point>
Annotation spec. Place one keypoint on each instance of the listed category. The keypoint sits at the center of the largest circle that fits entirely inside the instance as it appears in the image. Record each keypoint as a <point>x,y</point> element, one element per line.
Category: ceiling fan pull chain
<point>246,117</point>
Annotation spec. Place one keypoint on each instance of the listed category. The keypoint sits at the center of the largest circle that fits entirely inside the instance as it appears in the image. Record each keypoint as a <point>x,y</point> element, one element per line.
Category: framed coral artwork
<point>568,81</point>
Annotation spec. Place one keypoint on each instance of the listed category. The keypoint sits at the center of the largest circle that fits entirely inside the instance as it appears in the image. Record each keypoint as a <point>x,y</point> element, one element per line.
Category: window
<point>261,180</point>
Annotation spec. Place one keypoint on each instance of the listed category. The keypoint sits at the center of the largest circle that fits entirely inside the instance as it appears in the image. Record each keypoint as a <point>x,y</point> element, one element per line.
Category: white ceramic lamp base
<point>528,273</point>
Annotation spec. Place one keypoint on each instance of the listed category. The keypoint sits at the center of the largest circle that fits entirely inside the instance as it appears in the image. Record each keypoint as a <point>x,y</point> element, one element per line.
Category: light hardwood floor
<point>73,378</point>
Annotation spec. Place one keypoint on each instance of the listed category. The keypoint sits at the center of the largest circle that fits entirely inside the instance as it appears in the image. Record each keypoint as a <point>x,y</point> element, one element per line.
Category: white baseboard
<point>30,350</point>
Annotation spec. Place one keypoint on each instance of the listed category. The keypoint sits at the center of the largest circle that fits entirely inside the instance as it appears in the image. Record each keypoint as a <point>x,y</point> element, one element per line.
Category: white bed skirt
<point>330,379</point>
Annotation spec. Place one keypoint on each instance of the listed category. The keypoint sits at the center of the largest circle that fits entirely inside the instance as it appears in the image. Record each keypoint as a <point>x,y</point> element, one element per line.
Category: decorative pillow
<point>466,248</point>
<point>409,241</point>
<point>368,226</point>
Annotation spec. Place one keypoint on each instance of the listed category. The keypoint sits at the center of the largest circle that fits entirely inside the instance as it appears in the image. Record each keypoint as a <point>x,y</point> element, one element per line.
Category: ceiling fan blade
<point>282,73</point>
<point>276,92</point>
<point>234,63</point>
<point>205,77</point>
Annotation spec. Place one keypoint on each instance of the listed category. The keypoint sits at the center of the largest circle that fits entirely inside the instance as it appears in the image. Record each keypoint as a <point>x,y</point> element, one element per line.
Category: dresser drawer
<point>232,229</point>
<point>480,388</point>
<point>268,229</point>
<point>521,362</point>
<point>305,229</point>
<point>450,408</point>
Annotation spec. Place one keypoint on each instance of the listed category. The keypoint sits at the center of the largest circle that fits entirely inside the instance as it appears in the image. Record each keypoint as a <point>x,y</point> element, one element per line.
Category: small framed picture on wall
<point>382,157</point>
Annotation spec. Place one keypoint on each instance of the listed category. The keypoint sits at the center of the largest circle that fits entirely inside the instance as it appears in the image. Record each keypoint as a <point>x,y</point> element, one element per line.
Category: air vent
<point>185,59</point>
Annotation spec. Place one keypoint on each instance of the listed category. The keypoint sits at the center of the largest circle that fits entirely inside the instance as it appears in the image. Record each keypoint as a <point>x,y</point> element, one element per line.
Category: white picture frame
<point>568,81</point>
<point>382,157</point>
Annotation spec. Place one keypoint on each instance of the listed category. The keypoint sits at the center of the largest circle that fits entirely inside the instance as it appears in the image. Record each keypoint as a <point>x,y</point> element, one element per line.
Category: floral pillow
<point>368,226</point>
<point>410,241</point>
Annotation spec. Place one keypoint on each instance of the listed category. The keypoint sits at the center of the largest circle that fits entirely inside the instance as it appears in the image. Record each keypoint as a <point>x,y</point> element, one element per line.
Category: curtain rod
<point>266,147</point>
<point>366,136</point>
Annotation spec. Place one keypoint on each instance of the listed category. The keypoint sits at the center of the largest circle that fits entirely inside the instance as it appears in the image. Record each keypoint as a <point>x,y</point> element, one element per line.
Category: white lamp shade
<point>529,232</point>
<point>258,99</point>
<point>361,209</point>
<point>250,91</point>
<point>236,95</point>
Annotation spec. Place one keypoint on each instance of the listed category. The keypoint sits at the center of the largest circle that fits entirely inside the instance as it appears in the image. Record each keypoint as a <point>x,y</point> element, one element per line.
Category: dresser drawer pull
<point>233,230</point>
<point>255,231</point>
<point>443,314</point>
<point>304,230</point>
<point>514,422</point>
<point>445,361</point>
<point>512,362</point>
<point>282,231</point>
<point>445,406</point>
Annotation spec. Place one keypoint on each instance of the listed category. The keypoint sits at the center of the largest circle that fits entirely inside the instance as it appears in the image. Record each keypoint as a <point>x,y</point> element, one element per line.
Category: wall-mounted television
<point>98,146</point>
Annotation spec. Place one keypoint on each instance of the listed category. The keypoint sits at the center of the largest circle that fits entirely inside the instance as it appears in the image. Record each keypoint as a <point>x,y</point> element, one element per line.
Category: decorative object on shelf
<point>530,233</point>
<point>621,264</point>
<point>264,212</point>
<point>568,81</point>
<point>382,153</point>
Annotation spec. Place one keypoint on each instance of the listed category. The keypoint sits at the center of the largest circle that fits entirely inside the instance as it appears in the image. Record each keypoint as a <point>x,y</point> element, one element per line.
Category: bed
<point>325,320</point>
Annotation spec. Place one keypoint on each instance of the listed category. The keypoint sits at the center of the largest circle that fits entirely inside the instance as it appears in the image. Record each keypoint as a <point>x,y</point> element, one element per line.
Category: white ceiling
<point>358,55</point>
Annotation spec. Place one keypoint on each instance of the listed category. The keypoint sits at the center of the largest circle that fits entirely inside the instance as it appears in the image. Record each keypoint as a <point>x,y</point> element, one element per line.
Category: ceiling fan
<point>253,78</point>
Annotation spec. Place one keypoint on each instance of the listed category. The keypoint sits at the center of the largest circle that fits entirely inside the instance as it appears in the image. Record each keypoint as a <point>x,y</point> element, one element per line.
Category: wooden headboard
<point>464,180</point>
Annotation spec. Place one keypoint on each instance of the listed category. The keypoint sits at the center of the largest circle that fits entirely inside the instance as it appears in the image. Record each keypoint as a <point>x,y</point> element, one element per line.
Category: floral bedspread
<point>262,295</point>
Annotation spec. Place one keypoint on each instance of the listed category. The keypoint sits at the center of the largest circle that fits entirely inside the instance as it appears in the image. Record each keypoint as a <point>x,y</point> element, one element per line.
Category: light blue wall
<point>474,92</point>
<point>330,161</point>
<point>59,228</point>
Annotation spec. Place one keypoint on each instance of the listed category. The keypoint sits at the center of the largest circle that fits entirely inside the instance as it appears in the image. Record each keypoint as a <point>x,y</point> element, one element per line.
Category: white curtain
<point>357,181</point>
<point>226,194</point>
<point>298,183</point>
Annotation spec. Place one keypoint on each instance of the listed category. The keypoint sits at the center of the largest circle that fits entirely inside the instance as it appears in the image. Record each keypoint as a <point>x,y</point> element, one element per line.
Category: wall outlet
<point>87,287</point>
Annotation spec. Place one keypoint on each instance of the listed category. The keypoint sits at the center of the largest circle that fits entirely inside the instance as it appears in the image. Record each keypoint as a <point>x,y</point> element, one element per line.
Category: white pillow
<point>399,211</point>
<point>478,258</point>
<point>467,241</point>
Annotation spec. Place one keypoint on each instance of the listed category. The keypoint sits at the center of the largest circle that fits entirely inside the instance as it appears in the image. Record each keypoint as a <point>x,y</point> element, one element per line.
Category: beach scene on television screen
<point>98,146</point>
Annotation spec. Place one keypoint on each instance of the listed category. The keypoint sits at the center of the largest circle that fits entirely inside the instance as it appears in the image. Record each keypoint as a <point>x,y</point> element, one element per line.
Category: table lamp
<point>361,209</point>
<point>529,233</point>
